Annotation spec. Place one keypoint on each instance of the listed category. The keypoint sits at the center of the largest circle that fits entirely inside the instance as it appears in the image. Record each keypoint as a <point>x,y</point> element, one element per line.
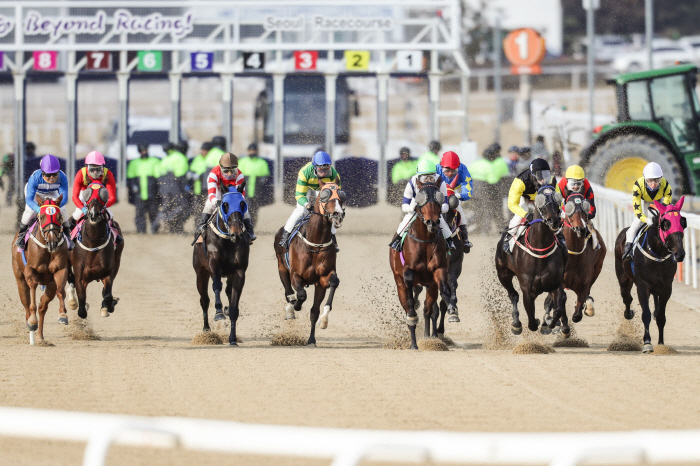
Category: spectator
<point>197,178</point>
<point>432,153</point>
<point>539,150</point>
<point>7,168</point>
<point>256,172</point>
<point>141,176</point>
<point>218,149</point>
<point>171,184</point>
<point>487,174</point>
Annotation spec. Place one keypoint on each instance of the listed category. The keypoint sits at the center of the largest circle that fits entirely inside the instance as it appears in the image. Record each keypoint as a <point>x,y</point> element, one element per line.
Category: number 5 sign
<point>525,50</point>
<point>202,61</point>
<point>45,61</point>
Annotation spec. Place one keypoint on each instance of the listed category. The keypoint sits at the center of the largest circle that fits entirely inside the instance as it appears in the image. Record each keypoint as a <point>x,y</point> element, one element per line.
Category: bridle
<point>53,222</point>
<point>576,203</point>
<point>226,217</point>
<point>428,193</point>
<point>547,195</point>
<point>329,193</point>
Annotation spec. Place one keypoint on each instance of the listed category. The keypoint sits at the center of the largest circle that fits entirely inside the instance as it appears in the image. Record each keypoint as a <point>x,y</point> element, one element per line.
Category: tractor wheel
<point>619,162</point>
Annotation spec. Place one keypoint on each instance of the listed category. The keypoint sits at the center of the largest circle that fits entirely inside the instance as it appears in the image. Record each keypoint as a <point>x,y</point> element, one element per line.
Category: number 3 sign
<point>305,60</point>
<point>45,61</point>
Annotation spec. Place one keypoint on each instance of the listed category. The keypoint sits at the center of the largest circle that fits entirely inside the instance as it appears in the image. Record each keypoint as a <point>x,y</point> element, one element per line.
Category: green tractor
<point>658,121</point>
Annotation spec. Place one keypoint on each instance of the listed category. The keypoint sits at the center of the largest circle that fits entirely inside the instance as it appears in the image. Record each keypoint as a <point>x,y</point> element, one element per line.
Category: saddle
<point>76,232</point>
<point>300,223</point>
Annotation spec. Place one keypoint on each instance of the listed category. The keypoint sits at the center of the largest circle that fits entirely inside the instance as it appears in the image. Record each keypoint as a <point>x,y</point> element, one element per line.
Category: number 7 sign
<point>99,61</point>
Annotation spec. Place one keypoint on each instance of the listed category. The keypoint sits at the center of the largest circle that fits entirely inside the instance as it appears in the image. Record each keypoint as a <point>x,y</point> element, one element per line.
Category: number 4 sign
<point>253,61</point>
<point>45,61</point>
<point>99,61</point>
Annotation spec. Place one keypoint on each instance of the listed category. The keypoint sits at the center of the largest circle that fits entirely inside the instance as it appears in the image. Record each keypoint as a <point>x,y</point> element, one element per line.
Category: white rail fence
<point>348,447</point>
<point>615,212</point>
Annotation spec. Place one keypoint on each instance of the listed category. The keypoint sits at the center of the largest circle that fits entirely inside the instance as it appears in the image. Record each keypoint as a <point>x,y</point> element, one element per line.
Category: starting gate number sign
<point>357,60</point>
<point>202,61</point>
<point>305,60</point>
<point>2,60</point>
<point>45,61</point>
<point>254,61</point>
<point>150,60</point>
<point>524,48</point>
<point>99,61</point>
<point>409,61</point>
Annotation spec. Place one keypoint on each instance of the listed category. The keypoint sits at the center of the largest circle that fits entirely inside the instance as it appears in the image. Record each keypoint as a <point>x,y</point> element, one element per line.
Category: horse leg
<point>298,286</point>
<point>289,294</point>
<point>49,294</point>
<point>533,323</point>
<point>661,315</point>
<point>656,305</point>
<point>505,276</point>
<point>626,284</point>
<point>81,291</point>
<point>547,318</point>
<point>453,273</point>
<point>417,290</point>
<point>217,285</point>
<point>72,297</point>
<point>319,294</point>
<point>107,299</point>
<point>24,295</point>
<point>59,279</point>
<point>560,309</point>
<point>203,289</point>
<point>429,312</point>
<point>643,297</point>
<point>406,298</point>
<point>229,288</point>
<point>440,277</point>
<point>443,311</point>
<point>234,288</point>
<point>333,283</point>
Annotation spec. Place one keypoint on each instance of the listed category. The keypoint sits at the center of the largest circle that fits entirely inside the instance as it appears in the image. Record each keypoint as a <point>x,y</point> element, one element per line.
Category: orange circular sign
<point>524,47</point>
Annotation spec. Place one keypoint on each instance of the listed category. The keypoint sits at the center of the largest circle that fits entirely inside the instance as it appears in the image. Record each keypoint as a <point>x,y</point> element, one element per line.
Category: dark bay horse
<point>46,264</point>
<point>95,256</point>
<point>654,262</point>
<point>311,257</point>
<point>222,252</point>
<point>584,262</point>
<point>423,262</point>
<point>539,264</point>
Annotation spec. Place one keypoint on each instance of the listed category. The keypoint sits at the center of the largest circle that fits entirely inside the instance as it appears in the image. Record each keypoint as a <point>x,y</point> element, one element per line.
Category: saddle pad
<point>302,221</point>
<point>75,233</point>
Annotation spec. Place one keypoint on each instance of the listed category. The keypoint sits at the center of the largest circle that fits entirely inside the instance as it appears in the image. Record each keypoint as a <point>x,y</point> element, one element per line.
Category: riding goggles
<point>574,185</point>
<point>543,176</point>
<point>429,178</point>
<point>228,172</point>
<point>95,170</point>
<point>49,175</point>
<point>653,181</point>
<point>323,170</point>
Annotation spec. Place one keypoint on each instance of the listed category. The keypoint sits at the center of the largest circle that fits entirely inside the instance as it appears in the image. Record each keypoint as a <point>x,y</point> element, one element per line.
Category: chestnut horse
<point>95,255</point>
<point>654,261</point>
<point>46,264</point>
<point>222,251</point>
<point>310,259</point>
<point>584,263</point>
<point>423,262</point>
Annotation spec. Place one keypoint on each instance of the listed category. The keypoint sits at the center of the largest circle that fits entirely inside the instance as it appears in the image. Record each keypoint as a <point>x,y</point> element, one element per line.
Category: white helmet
<point>652,170</point>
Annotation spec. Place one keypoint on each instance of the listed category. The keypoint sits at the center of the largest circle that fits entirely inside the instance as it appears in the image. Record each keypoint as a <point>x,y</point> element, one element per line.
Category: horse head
<point>95,197</point>
<point>50,221</point>
<point>330,203</point>
<point>548,204</point>
<point>576,209</point>
<point>671,224</point>
<point>232,209</point>
<point>429,200</point>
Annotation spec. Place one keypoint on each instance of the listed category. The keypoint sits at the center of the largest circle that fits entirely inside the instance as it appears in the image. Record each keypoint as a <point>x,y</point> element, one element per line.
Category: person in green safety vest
<point>255,170</point>
<point>218,149</point>
<point>432,153</point>
<point>487,175</point>
<point>404,168</point>
<point>197,178</point>
<point>171,183</point>
<point>141,177</point>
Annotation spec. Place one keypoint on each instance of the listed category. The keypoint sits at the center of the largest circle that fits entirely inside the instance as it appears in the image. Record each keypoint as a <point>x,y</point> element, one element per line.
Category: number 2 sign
<point>98,61</point>
<point>305,60</point>
<point>45,61</point>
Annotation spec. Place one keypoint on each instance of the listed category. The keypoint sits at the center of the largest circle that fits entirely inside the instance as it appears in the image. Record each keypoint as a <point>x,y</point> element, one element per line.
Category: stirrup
<point>506,246</point>
<point>284,240</point>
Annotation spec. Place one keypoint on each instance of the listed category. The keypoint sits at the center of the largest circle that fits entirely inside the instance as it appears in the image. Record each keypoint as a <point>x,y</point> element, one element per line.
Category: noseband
<point>52,224</point>
<point>547,195</point>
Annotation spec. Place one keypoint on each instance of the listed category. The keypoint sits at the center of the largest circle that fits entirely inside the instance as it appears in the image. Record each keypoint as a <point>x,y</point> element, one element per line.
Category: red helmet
<point>450,160</point>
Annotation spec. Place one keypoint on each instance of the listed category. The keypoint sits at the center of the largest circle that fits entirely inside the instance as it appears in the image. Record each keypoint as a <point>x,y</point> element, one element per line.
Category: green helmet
<point>426,167</point>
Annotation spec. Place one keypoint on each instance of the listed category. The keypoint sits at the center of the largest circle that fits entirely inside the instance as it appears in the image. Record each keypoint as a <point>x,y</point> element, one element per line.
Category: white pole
<point>590,28</point>
<point>649,28</point>
<point>693,257</point>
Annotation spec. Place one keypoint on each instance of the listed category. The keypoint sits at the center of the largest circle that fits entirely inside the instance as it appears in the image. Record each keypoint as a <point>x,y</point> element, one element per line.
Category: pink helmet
<point>94,158</point>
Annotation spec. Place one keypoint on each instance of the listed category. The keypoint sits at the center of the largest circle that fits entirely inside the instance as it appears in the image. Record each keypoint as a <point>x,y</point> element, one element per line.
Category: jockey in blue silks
<point>455,175</point>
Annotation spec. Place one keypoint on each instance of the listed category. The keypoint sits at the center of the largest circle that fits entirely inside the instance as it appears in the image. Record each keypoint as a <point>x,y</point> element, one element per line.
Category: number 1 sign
<point>409,61</point>
<point>525,49</point>
<point>45,61</point>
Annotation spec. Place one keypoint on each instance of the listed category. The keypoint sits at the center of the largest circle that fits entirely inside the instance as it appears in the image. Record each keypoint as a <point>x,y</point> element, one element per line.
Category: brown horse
<point>95,255</point>
<point>310,259</point>
<point>46,264</point>
<point>423,262</point>
<point>584,262</point>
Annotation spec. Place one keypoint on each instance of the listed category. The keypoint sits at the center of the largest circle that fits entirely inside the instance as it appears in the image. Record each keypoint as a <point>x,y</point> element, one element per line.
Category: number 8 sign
<point>45,61</point>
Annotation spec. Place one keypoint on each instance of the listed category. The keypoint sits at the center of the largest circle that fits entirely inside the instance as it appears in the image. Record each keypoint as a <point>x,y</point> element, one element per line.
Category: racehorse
<point>223,251</point>
<point>423,262</point>
<point>310,257</point>
<point>539,264</point>
<point>654,261</point>
<point>95,255</point>
<point>584,263</point>
<point>45,263</point>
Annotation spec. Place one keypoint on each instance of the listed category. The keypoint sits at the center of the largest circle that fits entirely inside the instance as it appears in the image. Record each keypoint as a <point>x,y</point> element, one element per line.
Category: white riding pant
<point>298,212</point>
<point>518,220</point>
<point>209,207</point>
<point>632,231</point>
<point>407,218</point>
<point>30,214</point>
<point>463,218</point>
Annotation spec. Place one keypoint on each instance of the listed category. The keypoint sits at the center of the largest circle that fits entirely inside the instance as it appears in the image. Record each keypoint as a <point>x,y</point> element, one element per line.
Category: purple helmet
<point>49,164</point>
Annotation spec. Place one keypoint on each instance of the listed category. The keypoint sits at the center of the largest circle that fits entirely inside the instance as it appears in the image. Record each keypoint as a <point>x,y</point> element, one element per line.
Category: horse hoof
<point>576,317</point>
<point>629,316</point>
<point>289,312</point>
<point>648,348</point>
<point>453,318</point>
<point>219,316</point>
<point>226,311</point>
<point>566,332</point>
<point>104,312</point>
<point>412,322</point>
<point>233,344</point>
<point>590,311</point>
<point>414,347</point>
<point>533,325</point>
<point>451,310</point>
<point>311,345</point>
<point>63,320</point>
<point>545,330</point>
<point>516,330</point>
<point>32,327</point>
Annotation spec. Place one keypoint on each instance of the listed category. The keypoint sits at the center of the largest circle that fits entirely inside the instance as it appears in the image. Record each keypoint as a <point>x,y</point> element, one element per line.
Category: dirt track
<point>144,363</point>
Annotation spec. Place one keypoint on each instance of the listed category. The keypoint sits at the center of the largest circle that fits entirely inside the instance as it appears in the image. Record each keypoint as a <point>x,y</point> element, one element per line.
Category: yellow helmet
<point>575,172</point>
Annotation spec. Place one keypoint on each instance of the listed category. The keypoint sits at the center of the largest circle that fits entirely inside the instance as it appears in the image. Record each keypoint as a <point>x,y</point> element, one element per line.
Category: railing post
<point>693,258</point>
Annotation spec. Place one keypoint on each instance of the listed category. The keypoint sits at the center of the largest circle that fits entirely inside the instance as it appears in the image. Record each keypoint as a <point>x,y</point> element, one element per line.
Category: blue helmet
<point>321,158</point>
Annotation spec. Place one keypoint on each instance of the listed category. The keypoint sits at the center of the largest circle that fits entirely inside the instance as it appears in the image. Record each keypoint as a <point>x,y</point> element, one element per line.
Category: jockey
<point>522,192</point>
<point>575,182</point>
<point>222,178</point>
<point>426,172</point>
<point>318,169</point>
<point>456,175</point>
<point>94,171</point>
<point>652,186</point>
<point>49,182</point>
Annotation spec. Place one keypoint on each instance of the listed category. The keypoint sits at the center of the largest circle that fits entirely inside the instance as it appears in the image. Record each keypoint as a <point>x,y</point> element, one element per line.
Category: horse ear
<point>320,184</point>
<point>419,185</point>
<point>224,207</point>
<point>659,207</point>
<point>679,204</point>
<point>59,200</point>
<point>39,200</point>
<point>244,207</point>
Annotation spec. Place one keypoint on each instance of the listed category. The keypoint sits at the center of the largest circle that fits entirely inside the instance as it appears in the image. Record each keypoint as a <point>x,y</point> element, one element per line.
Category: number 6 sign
<point>45,61</point>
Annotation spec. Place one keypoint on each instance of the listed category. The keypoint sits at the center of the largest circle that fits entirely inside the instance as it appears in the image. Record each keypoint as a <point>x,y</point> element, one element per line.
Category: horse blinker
<point>540,199</point>
<point>453,202</point>
<point>421,198</point>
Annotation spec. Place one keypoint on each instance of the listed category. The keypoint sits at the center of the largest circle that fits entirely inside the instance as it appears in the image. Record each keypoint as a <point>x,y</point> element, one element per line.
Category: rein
<point>651,254</point>
<point>44,245</point>
<point>528,247</point>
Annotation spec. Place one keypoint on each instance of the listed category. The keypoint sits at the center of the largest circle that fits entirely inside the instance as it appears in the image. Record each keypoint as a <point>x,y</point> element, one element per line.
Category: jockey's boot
<point>450,243</point>
<point>284,239</point>
<point>467,244</point>
<point>66,233</point>
<point>396,242</point>
<point>249,228</point>
<point>20,236</point>
<point>506,243</point>
<point>335,243</point>
<point>628,252</point>
<point>202,224</point>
